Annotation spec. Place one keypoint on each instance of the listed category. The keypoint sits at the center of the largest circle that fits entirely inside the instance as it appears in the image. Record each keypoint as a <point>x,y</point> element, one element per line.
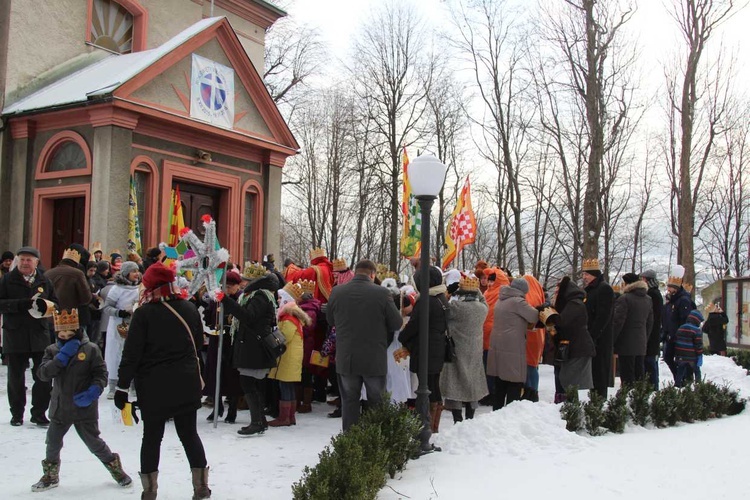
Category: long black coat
<point>365,318</point>
<point>160,355</point>
<point>437,326</point>
<point>633,319</point>
<point>599,307</point>
<point>85,369</point>
<point>653,346</point>
<point>675,313</point>
<point>571,325</point>
<point>257,318</point>
<point>715,327</point>
<point>23,333</point>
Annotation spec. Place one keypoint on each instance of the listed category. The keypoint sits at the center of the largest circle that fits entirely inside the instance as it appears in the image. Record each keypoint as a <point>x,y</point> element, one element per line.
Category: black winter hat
<point>436,277</point>
<point>7,255</point>
<point>630,278</point>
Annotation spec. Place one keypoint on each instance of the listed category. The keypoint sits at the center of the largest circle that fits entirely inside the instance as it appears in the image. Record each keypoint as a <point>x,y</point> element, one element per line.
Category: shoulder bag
<point>192,341</point>
<point>450,344</point>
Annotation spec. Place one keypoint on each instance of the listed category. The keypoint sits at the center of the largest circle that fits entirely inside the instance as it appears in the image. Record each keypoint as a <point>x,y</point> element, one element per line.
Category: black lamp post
<point>426,175</point>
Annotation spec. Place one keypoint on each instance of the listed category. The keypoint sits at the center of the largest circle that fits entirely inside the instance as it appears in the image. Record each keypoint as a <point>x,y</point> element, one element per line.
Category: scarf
<point>164,293</point>
<point>244,299</point>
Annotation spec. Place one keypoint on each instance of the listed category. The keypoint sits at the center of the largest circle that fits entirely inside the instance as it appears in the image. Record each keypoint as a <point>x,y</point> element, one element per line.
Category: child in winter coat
<point>78,374</point>
<point>689,348</point>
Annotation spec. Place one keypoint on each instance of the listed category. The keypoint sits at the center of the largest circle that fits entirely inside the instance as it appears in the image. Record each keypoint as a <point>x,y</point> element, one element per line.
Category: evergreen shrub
<point>593,412</point>
<point>355,465</point>
<point>616,414</point>
<point>639,395</point>
<point>572,410</point>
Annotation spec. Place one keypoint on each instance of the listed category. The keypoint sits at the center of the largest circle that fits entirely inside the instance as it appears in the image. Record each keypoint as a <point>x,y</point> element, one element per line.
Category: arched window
<point>145,174</point>
<point>65,154</point>
<point>117,26</point>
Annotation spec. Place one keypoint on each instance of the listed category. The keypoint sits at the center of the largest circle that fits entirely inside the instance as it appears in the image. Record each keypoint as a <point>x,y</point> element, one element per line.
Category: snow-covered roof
<point>103,77</point>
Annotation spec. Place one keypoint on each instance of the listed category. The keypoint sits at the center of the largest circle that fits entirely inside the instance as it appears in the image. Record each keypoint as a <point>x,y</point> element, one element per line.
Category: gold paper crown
<point>253,271</point>
<point>676,281</point>
<point>590,265</point>
<point>548,316</point>
<point>72,254</point>
<point>294,289</point>
<point>468,283</point>
<point>66,320</point>
<point>307,286</point>
<point>96,247</point>
<point>316,253</point>
<point>340,265</point>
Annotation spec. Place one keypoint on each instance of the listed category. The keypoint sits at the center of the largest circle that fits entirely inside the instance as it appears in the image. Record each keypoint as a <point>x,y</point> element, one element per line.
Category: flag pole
<point>217,389</point>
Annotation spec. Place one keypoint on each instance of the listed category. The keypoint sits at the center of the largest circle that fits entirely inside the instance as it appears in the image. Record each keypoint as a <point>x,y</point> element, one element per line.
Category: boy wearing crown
<point>78,374</point>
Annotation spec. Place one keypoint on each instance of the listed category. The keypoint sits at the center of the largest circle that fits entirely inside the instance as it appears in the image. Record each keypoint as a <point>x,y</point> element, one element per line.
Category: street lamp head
<point>426,175</point>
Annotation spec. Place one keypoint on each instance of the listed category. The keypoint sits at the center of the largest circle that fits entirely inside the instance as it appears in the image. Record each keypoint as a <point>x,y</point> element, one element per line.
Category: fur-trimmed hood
<point>294,310</point>
<point>638,285</point>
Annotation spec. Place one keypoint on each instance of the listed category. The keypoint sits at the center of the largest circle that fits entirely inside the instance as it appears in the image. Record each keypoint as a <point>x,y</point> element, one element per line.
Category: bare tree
<point>697,20</point>
<point>588,33</point>
<point>391,77</point>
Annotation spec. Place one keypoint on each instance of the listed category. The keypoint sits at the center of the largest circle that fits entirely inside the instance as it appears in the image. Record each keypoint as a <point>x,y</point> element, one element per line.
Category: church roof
<point>103,77</point>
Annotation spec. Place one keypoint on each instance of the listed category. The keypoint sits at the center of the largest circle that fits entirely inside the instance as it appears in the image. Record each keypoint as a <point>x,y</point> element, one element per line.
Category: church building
<point>94,92</point>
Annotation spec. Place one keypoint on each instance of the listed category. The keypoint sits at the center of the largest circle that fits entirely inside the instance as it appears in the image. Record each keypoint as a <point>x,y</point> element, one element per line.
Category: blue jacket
<point>689,339</point>
<point>675,314</point>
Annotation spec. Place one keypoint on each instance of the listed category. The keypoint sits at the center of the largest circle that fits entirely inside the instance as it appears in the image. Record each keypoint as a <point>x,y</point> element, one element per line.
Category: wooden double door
<point>198,201</point>
<point>67,225</point>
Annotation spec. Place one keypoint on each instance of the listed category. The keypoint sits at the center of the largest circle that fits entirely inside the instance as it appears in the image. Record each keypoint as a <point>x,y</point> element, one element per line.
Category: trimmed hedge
<point>357,462</point>
<point>666,407</point>
<point>741,357</point>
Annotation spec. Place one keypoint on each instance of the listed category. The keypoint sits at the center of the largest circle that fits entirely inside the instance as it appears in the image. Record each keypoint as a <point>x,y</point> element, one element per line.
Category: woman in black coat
<point>254,317</point>
<point>716,328</point>
<point>438,322</point>
<point>160,355</point>
<point>575,348</point>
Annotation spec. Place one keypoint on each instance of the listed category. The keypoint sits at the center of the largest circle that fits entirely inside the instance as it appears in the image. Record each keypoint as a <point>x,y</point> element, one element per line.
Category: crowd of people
<point>350,335</point>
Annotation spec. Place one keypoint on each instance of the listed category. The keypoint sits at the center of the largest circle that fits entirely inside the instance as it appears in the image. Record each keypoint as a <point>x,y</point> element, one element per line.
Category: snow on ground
<point>522,450</point>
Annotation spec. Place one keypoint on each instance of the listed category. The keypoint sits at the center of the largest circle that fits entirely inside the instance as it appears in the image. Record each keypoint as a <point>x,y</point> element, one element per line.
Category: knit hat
<point>7,255</point>
<point>649,274</point>
<point>695,317</point>
<point>630,278</point>
<point>520,284</point>
<point>233,278</point>
<point>156,275</point>
<point>128,267</point>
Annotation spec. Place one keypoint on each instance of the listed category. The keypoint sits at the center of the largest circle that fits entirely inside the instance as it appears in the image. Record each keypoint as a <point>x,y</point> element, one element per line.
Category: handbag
<point>122,329</point>
<point>192,341</point>
<point>450,344</point>
<point>274,343</point>
<point>562,353</point>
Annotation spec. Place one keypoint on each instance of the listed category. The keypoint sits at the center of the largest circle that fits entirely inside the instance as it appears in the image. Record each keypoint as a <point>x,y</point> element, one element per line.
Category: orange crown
<point>340,265</point>
<point>294,290</point>
<point>307,286</point>
<point>66,320</point>
<point>469,283</point>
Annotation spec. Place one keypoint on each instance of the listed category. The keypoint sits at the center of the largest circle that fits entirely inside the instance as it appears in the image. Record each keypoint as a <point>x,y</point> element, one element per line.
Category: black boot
<point>231,411</point>
<point>469,411</point>
<point>457,417</point>
<point>252,429</point>
<point>210,417</point>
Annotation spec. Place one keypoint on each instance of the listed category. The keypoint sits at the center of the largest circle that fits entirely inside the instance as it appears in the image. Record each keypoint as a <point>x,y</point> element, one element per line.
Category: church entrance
<point>67,224</point>
<point>198,201</point>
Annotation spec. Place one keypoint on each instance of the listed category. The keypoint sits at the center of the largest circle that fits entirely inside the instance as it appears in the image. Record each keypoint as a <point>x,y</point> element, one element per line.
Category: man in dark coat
<point>653,345</point>
<point>599,306</point>
<point>25,336</point>
<point>676,310</point>
<point>631,325</point>
<point>71,287</point>
<point>716,329</point>
<point>365,319</point>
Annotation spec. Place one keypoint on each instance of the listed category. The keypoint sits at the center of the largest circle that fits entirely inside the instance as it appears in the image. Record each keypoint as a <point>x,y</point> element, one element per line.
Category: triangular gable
<point>165,84</point>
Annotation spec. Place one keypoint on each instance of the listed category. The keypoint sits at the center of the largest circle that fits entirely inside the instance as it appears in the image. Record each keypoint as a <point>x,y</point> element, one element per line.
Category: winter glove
<point>699,362</point>
<point>67,351</point>
<point>85,398</point>
<point>25,304</point>
<point>122,313</point>
<point>121,397</point>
